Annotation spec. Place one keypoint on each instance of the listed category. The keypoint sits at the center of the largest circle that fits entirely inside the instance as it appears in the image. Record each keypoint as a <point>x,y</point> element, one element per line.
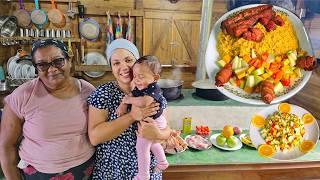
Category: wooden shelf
<point>56,1</point>
<point>92,68</point>
<point>34,38</point>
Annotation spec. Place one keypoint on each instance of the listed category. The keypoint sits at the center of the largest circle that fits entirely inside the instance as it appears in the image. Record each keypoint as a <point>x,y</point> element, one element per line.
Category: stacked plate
<point>20,68</point>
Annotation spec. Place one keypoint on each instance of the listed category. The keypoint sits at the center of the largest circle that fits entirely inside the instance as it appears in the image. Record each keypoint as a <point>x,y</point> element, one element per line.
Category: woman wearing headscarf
<point>44,123</point>
<point>115,136</point>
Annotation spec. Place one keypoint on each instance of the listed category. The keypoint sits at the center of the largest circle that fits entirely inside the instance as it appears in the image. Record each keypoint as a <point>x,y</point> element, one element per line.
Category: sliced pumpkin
<point>266,150</point>
<point>258,121</point>
<point>307,118</point>
<point>284,108</point>
<point>306,146</point>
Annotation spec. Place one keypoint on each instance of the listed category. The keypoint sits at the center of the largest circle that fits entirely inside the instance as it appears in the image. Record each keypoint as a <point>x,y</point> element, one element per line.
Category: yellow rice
<point>279,41</point>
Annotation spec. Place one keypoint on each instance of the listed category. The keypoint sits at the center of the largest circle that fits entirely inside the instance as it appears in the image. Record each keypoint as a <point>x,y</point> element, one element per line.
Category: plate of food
<point>284,131</point>
<point>230,144</point>
<point>259,54</point>
<point>245,139</point>
<point>174,145</point>
<point>197,142</point>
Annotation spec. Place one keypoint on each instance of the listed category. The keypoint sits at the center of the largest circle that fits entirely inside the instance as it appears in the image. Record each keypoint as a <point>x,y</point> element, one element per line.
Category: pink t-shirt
<point>54,131</point>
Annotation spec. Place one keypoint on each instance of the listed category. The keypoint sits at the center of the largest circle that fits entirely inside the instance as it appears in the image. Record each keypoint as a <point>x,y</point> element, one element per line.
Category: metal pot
<point>171,89</point>
<point>206,89</point>
<point>8,26</point>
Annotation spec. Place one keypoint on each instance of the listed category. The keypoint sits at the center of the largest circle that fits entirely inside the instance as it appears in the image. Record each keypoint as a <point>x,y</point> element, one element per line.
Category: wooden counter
<point>245,163</point>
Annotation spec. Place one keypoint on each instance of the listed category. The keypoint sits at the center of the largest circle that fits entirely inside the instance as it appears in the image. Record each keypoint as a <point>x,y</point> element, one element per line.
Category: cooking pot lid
<point>168,83</point>
<point>204,84</point>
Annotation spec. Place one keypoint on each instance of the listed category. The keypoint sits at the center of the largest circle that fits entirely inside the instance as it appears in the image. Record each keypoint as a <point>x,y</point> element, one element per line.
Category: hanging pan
<point>56,16</point>
<point>22,15</point>
<point>38,16</point>
<point>88,27</point>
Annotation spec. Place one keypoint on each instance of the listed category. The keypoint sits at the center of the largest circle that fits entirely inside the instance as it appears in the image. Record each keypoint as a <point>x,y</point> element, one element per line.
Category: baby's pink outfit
<point>144,146</point>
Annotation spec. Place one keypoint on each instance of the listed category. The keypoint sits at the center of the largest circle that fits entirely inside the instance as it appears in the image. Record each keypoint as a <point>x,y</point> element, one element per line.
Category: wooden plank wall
<point>96,9</point>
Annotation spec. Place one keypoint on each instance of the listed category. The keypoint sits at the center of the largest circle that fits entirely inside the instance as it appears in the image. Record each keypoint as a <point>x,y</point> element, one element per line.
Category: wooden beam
<point>92,68</point>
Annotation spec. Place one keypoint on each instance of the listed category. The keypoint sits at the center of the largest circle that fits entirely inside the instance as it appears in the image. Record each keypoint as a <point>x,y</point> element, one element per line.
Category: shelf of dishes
<point>13,39</point>
<point>57,1</point>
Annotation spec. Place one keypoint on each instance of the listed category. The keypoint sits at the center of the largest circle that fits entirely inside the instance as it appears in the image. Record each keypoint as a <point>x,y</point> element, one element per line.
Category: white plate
<point>95,58</point>
<point>17,71</point>
<point>206,140</point>
<point>238,94</point>
<point>242,136</point>
<point>311,132</point>
<point>225,147</point>
<point>11,65</point>
<point>24,70</point>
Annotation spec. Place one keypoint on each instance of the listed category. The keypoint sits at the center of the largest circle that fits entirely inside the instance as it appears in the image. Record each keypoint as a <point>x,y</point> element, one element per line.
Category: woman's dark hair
<point>152,62</point>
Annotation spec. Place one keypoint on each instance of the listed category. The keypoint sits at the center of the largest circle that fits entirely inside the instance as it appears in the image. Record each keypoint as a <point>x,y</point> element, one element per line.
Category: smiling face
<point>55,76</point>
<point>121,63</point>
<point>143,76</point>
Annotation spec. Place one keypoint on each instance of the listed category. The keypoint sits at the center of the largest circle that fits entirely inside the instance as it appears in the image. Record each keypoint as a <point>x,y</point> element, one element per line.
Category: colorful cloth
<point>110,35</point>
<point>81,172</point>
<point>48,42</point>
<point>129,30</point>
<point>119,27</point>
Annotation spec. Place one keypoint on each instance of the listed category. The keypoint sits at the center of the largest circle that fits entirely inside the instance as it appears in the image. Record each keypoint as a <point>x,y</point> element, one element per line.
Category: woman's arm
<point>101,130</point>
<point>11,130</point>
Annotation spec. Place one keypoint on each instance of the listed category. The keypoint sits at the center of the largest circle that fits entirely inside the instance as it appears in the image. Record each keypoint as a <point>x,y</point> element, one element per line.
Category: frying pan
<point>38,16</point>
<point>56,16</point>
<point>88,27</point>
<point>22,15</point>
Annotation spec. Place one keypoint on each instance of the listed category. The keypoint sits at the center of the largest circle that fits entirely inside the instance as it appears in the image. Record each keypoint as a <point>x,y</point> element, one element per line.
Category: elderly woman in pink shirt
<point>50,114</point>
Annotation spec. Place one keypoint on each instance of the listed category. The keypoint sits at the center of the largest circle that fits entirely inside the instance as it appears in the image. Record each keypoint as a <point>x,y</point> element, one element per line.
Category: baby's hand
<point>122,109</point>
<point>126,99</point>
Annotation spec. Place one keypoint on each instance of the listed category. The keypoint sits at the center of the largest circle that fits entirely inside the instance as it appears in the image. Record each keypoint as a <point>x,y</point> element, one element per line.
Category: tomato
<point>285,82</point>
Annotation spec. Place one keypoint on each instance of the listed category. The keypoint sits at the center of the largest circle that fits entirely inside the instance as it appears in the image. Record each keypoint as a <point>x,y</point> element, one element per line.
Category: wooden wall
<point>167,30</point>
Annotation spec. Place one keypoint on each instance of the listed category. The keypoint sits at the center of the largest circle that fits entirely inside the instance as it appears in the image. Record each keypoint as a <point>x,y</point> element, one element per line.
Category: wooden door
<point>172,37</point>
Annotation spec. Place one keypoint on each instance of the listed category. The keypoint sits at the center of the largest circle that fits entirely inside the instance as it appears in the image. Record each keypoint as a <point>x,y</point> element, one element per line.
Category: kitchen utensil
<point>9,27</point>
<point>70,52</point>
<point>171,89</point>
<point>88,27</point>
<point>207,89</point>
<point>56,16</point>
<point>58,34</point>
<point>22,15</point>
<point>238,94</point>
<point>48,32</point>
<point>95,58</point>
<point>70,11</point>
<point>38,16</point>
<point>311,132</point>
<point>53,33</point>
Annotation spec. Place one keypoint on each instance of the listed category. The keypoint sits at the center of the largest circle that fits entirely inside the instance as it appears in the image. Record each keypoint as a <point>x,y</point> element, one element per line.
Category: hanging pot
<point>22,15</point>
<point>88,27</point>
<point>38,16</point>
<point>56,16</point>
